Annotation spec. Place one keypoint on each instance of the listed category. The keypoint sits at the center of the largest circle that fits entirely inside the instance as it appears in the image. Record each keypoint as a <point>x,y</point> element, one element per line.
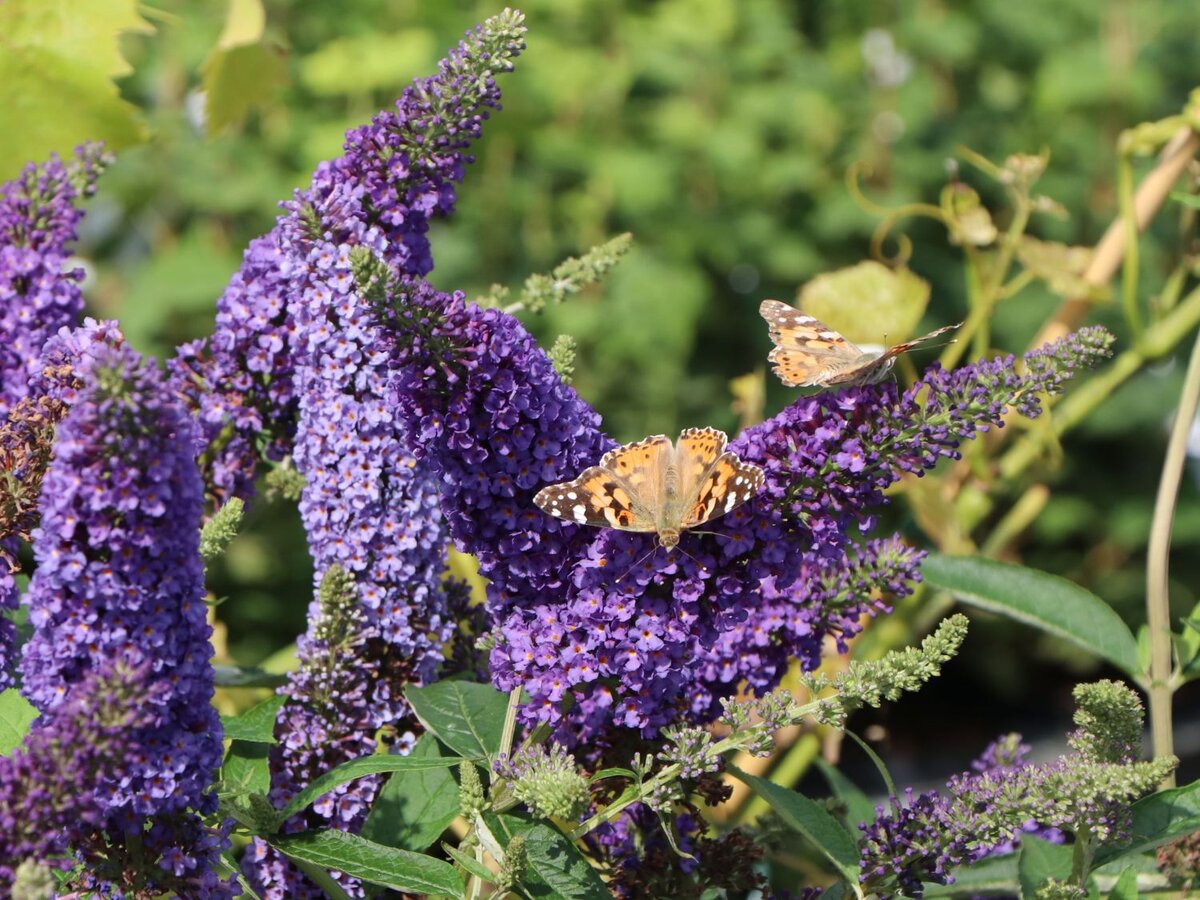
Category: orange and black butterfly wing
<point>807,352</point>
<point>621,492</point>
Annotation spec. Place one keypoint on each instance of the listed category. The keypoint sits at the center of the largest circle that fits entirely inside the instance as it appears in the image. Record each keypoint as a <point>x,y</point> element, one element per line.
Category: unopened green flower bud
<point>470,791</point>
<point>512,872</point>
<point>547,781</point>
<point>34,881</point>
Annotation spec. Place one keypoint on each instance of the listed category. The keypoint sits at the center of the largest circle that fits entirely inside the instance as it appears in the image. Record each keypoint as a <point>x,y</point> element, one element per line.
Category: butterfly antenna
<point>703,567</point>
<point>653,550</point>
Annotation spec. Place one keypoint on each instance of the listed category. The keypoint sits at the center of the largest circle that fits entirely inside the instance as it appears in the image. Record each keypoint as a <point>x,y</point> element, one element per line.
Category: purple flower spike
<point>396,174</point>
<point>55,792</point>
<point>38,295</point>
<point>637,637</point>
<point>119,579</point>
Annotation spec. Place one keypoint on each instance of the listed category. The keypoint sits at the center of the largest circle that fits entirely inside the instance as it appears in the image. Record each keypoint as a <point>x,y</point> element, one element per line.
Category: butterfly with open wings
<point>809,353</point>
<point>654,485</point>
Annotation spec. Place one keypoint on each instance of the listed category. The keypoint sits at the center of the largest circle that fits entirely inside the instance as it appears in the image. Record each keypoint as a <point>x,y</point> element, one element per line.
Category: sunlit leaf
<point>414,807</point>
<point>466,716</point>
<point>16,715</point>
<point>256,724</point>
<point>57,62</point>
<point>868,303</point>
<point>357,768</point>
<point>1039,860</point>
<point>1047,602</point>
<point>809,819</point>
<point>401,870</point>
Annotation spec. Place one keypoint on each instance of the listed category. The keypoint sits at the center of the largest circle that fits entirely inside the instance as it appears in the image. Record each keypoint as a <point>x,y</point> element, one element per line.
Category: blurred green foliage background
<point>719,132</point>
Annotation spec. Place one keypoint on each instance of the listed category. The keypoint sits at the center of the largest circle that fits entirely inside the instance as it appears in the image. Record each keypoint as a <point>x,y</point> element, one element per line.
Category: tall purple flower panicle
<point>635,637</point>
<point>396,174</point>
<point>371,513</point>
<point>119,578</point>
<point>983,812</point>
<point>55,806</point>
<point>38,296</point>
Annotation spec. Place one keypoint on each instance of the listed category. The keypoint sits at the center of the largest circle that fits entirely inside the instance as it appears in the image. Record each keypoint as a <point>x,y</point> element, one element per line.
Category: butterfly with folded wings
<point>808,353</point>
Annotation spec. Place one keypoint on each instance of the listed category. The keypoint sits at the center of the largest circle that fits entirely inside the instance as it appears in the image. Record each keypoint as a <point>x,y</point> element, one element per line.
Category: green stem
<point>1158,340</point>
<point>730,744</point>
<point>984,301</point>
<point>1158,606</point>
<point>1129,272</point>
<point>510,722</point>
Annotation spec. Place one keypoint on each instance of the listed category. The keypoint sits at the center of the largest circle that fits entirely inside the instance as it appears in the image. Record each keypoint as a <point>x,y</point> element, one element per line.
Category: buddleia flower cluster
<point>1085,794</point>
<point>635,638</point>
<point>39,294</point>
<point>119,581</point>
<point>396,174</point>
<point>369,509</point>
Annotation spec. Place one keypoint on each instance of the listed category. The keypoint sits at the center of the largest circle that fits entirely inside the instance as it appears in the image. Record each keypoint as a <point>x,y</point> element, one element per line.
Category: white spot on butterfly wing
<point>580,512</point>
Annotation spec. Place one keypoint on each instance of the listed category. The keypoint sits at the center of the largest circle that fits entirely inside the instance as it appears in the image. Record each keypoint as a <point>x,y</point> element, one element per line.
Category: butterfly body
<point>656,486</point>
<point>809,353</point>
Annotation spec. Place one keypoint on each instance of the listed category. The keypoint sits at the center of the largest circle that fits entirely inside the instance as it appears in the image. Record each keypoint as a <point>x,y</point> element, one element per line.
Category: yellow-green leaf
<point>868,303</point>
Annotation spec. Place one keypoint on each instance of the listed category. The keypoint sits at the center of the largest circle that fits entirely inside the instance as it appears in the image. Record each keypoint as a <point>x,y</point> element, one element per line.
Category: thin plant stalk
<point>1158,609</point>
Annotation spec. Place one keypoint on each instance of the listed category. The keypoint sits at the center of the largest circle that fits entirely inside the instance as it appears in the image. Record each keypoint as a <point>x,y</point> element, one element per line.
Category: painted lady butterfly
<point>653,485</point>
<point>809,353</point>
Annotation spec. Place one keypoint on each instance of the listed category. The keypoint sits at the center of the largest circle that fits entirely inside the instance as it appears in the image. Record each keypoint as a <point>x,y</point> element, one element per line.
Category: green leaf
<point>1192,200</point>
<point>859,807</point>
<point>1039,860</point>
<point>243,71</point>
<point>810,819</point>
<point>16,715</point>
<point>1157,819</point>
<point>256,724</point>
<point>469,862</point>
<point>245,770</point>
<point>467,717</point>
<point>868,303</point>
<point>614,772</point>
<point>238,80</point>
<point>988,877</point>
<point>240,676</point>
<point>561,866</point>
<point>1052,604</point>
<point>401,870</point>
<point>414,808</point>
<point>357,768</point>
<point>57,62</point>
<point>1126,886</point>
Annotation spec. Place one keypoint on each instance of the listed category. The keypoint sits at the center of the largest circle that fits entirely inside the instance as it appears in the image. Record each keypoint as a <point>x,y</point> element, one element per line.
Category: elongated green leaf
<point>859,807</point>
<point>810,819</point>
<point>561,866</point>
<point>401,870</point>
<point>1126,886</point>
<point>465,716</point>
<point>357,768</point>
<point>1039,860</point>
<point>414,808</point>
<point>614,772</point>
<point>1157,819</point>
<point>16,715</point>
<point>996,875</point>
<point>245,770</point>
<point>1186,199</point>
<point>256,724</point>
<point>1045,601</point>
<point>469,862</point>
